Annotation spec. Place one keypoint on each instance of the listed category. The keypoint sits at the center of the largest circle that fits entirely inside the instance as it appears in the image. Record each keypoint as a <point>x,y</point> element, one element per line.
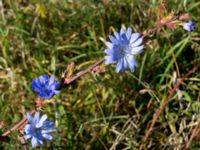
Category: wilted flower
<point>122,48</point>
<point>39,129</point>
<point>189,26</point>
<point>46,86</point>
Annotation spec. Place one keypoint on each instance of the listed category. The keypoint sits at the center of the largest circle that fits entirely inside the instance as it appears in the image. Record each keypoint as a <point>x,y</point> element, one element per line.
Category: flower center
<point>36,131</point>
<point>124,50</point>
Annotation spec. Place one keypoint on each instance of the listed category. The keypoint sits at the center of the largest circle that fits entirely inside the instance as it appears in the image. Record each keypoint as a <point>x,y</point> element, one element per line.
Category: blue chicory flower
<point>39,129</point>
<point>46,86</point>
<point>189,26</point>
<point>122,48</point>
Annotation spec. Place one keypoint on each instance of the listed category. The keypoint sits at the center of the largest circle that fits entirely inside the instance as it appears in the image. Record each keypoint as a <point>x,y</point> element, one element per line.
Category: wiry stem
<point>195,133</point>
<point>165,103</point>
<point>80,74</point>
<point>17,126</point>
<point>159,26</point>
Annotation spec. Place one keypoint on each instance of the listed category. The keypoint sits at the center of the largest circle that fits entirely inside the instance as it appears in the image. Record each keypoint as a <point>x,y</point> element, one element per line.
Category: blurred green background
<point>106,110</point>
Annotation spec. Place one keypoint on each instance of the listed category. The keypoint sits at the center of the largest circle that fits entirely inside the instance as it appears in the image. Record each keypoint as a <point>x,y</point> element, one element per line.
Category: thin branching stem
<point>17,126</point>
<point>171,93</point>
<point>82,73</point>
<point>195,133</point>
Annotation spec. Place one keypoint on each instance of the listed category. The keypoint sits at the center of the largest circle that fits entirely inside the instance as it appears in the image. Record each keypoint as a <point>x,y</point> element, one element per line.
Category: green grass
<point>108,110</point>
